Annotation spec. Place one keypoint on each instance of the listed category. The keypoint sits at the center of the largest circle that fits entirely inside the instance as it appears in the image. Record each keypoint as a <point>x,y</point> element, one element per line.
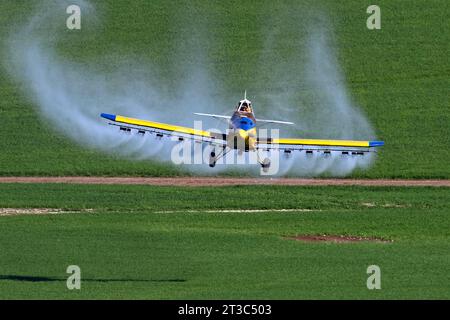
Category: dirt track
<point>220,181</point>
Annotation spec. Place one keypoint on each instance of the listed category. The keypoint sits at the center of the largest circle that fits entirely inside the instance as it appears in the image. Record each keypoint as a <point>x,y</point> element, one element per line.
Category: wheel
<point>266,165</point>
<point>212,159</point>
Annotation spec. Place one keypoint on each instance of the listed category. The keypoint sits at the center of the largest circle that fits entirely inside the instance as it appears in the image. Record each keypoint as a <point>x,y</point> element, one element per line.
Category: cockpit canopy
<point>244,106</point>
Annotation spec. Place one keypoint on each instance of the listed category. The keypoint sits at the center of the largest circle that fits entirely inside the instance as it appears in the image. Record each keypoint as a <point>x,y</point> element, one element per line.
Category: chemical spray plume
<point>71,96</point>
<point>317,100</point>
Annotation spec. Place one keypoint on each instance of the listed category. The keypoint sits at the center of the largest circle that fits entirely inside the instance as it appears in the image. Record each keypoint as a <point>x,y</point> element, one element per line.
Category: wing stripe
<point>376,143</point>
<point>156,125</point>
<point>319,142</point>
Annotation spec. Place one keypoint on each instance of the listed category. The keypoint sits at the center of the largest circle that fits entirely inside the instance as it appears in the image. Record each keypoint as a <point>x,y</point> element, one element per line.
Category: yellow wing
<point>161,129</point>
<point>319,145</point>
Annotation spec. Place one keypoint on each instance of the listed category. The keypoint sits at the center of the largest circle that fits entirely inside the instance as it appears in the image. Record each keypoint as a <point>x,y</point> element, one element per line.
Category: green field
<point>149,242</point>
<point>398,75</point>
<point>145,242</point>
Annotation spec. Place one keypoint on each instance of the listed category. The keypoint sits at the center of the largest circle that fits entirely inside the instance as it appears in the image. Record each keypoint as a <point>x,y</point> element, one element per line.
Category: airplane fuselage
<point>242,132</point>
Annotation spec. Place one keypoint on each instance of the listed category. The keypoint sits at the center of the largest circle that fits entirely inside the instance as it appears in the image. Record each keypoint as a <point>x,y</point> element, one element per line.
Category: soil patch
<point>336,239</point>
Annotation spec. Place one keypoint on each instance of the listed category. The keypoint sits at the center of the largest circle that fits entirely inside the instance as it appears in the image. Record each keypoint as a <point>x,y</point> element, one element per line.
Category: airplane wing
<point>161,129</point>
<point>212,115</point>
<point>347,147</point>
<point>274,121</point>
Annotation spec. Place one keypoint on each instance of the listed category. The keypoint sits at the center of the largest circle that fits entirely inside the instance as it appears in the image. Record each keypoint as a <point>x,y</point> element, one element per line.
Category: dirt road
<point>221,181</point>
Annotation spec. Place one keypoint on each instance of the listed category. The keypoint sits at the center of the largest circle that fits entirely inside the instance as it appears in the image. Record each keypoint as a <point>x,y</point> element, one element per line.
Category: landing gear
<point>212,159</point>
<point>265,164</point>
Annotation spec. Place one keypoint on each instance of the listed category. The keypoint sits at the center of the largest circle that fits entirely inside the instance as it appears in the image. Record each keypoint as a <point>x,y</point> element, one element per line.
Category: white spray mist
<point>71,96</point>
<point>317,100</point>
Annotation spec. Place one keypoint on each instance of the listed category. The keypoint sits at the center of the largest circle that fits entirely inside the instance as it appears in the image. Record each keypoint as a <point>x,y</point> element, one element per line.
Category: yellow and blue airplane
<point>242,136</point>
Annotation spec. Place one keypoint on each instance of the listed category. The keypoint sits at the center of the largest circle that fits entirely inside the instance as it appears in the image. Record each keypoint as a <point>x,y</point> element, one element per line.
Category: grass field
<point>177,243</point>
<point>397,75</point>
<point>149,242</point>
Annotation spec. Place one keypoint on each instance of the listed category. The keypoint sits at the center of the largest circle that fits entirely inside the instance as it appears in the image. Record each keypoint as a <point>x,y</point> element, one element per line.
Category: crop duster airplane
<point>242,136</point>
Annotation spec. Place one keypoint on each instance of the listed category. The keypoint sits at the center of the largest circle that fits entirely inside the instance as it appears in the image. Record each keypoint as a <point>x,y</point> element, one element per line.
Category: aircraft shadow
<point>55,279</point>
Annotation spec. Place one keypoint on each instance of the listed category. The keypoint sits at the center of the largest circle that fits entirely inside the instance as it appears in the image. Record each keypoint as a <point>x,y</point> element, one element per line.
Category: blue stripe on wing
<point>376,143</point>
<point>108,116</point>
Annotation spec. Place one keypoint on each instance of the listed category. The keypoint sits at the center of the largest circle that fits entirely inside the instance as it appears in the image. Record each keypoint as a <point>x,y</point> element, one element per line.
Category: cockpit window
<point>245,107</point>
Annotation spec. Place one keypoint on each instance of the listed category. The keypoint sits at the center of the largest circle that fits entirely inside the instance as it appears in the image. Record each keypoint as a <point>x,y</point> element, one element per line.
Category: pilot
<point>245,108</point>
